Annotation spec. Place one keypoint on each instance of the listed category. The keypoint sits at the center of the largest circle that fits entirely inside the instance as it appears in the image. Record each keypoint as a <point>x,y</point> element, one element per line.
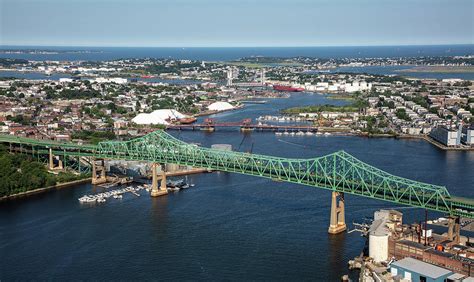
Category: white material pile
<point>220,106</point>
<point>158,117</point>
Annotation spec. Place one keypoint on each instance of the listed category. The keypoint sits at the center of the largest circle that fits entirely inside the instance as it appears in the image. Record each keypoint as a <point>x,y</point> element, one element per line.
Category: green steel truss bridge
<point>337,172</point>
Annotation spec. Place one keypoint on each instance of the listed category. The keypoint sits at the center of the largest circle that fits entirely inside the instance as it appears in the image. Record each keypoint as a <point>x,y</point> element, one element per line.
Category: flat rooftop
<point>422,268</point>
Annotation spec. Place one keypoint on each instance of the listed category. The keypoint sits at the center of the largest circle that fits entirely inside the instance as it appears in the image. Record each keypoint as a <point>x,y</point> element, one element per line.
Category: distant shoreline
<point>443,69</point>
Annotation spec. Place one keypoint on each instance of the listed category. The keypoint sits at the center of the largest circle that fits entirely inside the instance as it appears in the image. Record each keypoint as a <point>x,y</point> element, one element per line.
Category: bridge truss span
<point>338,172</point>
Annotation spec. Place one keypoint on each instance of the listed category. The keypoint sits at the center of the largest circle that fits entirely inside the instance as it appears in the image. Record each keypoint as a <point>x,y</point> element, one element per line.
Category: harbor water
<point>228,226</point>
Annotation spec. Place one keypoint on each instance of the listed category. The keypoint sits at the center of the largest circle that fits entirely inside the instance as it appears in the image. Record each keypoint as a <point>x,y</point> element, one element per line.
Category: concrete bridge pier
<point>454,229</point>
<point>338,222</point>
<point>101,167</point>
<point>51,162</point>
<point>162,190</point>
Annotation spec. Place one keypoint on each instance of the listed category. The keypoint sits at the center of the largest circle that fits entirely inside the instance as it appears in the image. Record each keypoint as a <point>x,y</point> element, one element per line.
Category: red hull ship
<point>187,120</point>
<point>287,88</point>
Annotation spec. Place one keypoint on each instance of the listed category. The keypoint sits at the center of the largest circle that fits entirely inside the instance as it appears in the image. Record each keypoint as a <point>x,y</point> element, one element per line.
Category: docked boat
<point>87,199</point>
<point>287,88</point>
<point>187,120</point>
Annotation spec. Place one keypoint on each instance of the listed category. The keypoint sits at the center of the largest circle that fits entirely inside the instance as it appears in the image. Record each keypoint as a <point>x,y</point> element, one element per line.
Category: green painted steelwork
<point>338,171</point>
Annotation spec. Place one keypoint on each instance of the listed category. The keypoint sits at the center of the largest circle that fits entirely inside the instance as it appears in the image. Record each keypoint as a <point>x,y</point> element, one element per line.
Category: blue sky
<point>236,23</point>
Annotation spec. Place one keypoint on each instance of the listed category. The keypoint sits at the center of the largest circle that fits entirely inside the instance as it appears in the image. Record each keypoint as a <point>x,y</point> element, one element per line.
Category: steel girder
<point>338,171</point>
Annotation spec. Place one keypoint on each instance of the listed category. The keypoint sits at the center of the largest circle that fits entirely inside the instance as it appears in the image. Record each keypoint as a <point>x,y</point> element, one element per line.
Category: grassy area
<point>341,97</point>
<point>354,107</point>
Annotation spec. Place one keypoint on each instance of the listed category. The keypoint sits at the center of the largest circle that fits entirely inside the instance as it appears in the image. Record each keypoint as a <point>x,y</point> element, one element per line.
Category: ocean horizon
<point>232,53</point>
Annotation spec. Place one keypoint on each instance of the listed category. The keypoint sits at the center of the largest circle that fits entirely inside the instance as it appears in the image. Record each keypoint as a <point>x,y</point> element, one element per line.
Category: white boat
<point>309,133</point>
<point>87,199</point>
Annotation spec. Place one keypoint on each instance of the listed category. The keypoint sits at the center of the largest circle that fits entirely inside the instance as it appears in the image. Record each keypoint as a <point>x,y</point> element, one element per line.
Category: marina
<point>280,118</point>
<point>172,186</point>
<point>116,194</point>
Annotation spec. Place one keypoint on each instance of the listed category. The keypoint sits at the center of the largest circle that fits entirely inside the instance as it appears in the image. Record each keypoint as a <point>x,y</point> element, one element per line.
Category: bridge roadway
<point>243,126</point>
<point>338,172</point>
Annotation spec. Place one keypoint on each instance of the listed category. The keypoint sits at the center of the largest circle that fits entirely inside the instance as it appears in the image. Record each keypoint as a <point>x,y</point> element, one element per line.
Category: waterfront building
<point>467,136</point>
<point>412,269</point>
<point>446,136</point>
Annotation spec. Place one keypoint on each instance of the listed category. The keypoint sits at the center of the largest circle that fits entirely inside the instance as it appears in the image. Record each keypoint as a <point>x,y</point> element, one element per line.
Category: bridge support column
<point>60,165</point>
<point>51,162</point>
<point>454,228</point>
<point>338,222</point>
<point>162,190</point>
<point>102,178</point>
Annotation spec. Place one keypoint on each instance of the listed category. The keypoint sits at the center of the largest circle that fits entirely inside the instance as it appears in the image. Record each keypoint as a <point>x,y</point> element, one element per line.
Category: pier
<point>245,125</point>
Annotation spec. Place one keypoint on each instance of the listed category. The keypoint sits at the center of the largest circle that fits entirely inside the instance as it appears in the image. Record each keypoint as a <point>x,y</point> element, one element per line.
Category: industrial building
<point>412,269</point>
<point>391,241</point>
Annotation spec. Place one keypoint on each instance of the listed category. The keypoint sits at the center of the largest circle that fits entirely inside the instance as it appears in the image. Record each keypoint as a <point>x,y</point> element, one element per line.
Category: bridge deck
<point>338,171</point>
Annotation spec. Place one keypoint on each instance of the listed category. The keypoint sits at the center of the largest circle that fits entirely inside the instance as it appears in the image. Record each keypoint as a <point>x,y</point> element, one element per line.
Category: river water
<point>227,227</point>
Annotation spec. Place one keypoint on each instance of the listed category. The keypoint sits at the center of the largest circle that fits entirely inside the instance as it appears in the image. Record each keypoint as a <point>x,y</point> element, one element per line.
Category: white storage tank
<point>378,238</point>
<point>378,247</point>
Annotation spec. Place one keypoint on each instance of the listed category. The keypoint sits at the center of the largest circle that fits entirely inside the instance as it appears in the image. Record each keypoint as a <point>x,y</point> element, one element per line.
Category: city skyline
<point>211,23</point>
